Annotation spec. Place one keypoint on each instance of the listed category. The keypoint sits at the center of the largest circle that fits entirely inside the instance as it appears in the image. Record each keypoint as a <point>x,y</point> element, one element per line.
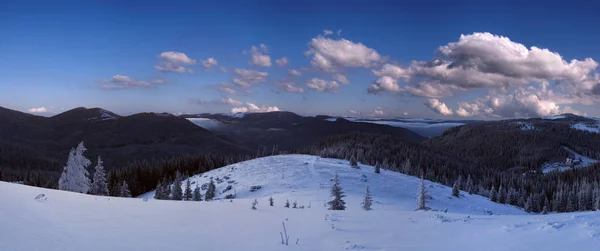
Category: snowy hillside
<point>70,221</point>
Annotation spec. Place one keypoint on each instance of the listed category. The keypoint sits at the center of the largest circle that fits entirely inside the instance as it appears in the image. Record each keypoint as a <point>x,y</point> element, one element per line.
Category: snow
<point>525,126</point>
<point>562,166</point>
<point>331,119</point>
<point>61,220</point>
<point>588,127</point>
<point>555,117</point>
<point>206,123</point>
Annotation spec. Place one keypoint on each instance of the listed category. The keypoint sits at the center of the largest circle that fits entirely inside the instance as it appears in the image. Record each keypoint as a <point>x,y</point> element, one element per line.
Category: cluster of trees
<point>166,191</point>
<point>572,190</point>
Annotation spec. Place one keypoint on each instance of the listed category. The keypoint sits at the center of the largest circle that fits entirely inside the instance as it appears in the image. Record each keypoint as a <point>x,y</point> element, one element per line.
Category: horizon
<point>388,60</point>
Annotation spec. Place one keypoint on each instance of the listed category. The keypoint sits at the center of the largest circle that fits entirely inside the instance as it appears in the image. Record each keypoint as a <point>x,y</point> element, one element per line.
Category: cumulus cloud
<point>223,101</point>
<point>231,101</point>
<point>438,107</point>
<point>294,72</point>
<point>122,82</point>
<point>321,85</point>
<point>378,112</point>
<point>331,55</point>
<point>225,88</point>
<point>259,57</point>
<point>209,63</point>
<point>250,107</point>
<point>289,86</point>
<point>246,78</point>
<point>385,83</point>
<point>38,110</point>
<point>282,62</point>
<point>327,32</point>
<point>172,61</point>
<point>341,78</point>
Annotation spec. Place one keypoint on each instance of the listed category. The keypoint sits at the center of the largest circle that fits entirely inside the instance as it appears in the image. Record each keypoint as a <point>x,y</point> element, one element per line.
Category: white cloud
<point>172,61</point>
<point>38,110</point>
<point>246,78</point>
<point>282,62</point>
<point>330,55</point>
<point>352,111</point>
<point>222,69</point>
<point>341,78</point>
<point>250,107</point>
<point>438,107</point>
<point>224,88</point>
<point>321,85</point>
<point>385,83</point>
<point>289,86</point>
<point>294,72</point>
<point>339,32</point>
<point>122,82</point>
<point>231,101</point>
<point>432,89</point>
<point>209,63</point>
<point>378,112</point>
<point>258,56</point>
<point>327,32</point>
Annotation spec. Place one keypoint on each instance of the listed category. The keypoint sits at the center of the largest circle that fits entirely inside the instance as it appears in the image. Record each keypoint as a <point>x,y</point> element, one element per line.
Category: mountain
<point>59,220</point>
<point>288,130</point>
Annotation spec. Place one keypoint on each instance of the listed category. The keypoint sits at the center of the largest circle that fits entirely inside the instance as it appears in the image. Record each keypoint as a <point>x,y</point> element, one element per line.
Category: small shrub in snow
<point>271,203</point>
<point>254,204</point>
<point>204,186</point>
<point>377,168</point>
<point>227,189</point>
<point>229,196</point>
<point>363,178</point>
<point>255,188</point>
<point>287,203</point>
<point>353,162</point>
<point>295,204</point>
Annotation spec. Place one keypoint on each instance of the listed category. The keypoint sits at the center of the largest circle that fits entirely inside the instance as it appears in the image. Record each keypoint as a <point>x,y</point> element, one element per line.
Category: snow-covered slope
<point>69,221</point>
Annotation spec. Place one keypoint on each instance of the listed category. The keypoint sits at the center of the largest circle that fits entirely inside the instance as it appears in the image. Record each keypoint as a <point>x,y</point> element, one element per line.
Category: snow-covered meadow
<point>70,221</point>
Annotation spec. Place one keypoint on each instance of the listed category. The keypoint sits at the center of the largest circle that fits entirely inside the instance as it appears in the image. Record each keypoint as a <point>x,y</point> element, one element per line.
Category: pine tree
<point>197,196</point>
<point>501,195</point>
<point>124,192</point>
<point>455,190</point>
<point>353,162</point>
<point>422,196</point>
<point>287,203</point>
<point>337,203</point>
<point>166,190</point>
<point>158,192</point>
<point>99,186</point>
<point>493,196</point>
<point>367,200</point>
<point>74,177</point>
<point>377,168</point>
<point>295,204</point>
<point>254,204</point>
<point>469,186</point>
<point>528,204</point>
<point>210,193</point>
<point>188,191</point>
<point>271,203</point>
<point>177,193</point>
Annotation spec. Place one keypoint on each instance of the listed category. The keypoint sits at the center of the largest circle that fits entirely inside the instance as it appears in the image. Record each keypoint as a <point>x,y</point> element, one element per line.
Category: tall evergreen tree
<point>353,162</point>
<point>124,192</point>
<point>455,190</point>
<point>74,177</point>
<point>187,195</point>
<point>501,195</point>
<point>421,196</point>
<point>166,190</point>
<point>177,193</point>
<point>337,203</point>
<point>377,168</point>
<point>159,191</point>
<point>197,196</point>
<point>469,186</point>
<point>99,185</point>
<point>528,204</point>
<point>367,200</point>
<point>493,195</point>
<point>210,192</point>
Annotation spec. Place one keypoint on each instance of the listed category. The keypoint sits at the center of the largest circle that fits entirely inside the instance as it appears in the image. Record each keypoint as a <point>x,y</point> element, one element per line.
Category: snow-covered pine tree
<point>455,191</point>
<point>197,196</point>
<point>353,162</point>
<point>74,177</point>
<point>295,204</point>
<point>337,203</point>
<point>422,196</point>
<point>254,204</point>
<point>125,190</point>
<point>177,193</point>
<point>166,190</point>
<point>469,186</point>
<point>187,195</point>
<point>271,203</point>
<point>501,195</point>
<point>528,204</point>
<point>367,200</point>
<point>210,192</point>
<point>493,195</point>
<point>159,191</point>
<point>377,168</point>
<point>287,203</point>
<point>99,185</point>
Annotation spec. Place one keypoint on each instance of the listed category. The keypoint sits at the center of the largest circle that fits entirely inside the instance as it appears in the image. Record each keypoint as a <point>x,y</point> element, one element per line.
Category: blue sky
<point>129,57</point>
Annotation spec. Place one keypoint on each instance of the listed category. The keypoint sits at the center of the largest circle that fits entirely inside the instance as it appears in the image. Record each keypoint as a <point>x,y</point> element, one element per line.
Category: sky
<point>451,59</point>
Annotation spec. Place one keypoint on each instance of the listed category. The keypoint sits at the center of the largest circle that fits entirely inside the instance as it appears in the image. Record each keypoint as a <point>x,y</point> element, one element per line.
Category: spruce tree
<point>337,203</point>
<point>455,191</point>
<point>177,193</point>
<point>528,204</point>
<point>197,196</point>
<point>421,196</point>
<point>295,204</point>
<point>124,192</point>
<point>74,177</point>
<point>210,193</point>
<point>287,203</point>
<point>158,194</point>
<point>99,185</point>
<point>166,190</point>
<point>353,162</point>
<point>493,196</point>
<point>367,200</point>
<point>469,186</point>
<point>377,168</point>
<point>188,191</point>
<point>271,203</point>
<point>501,195</point>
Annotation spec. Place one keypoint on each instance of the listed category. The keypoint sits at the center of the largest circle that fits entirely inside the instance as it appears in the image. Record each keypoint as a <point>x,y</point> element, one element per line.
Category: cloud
<point>341,78</point>
<point>331,55</point>
<point>222,69</point>
<point>231,101</point>
<point>225,88</point>
<point>321,85</point>
<point>289,86</point>
<point>246,78</point>
<point>432,89</point>
<point>259,58</point>
<point>385,83</point>
<point>438,107</point>
<point>250,107</point>
<point>378,112</point>
<point>282,62</point>
<point>122,82</point>
<point>209,63</point>
<point>339,32</point>
<point>294,72</point>
<point>223,101</point>
<point>38,110</point>
<point>172,61</point>
<point>327,32</point>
